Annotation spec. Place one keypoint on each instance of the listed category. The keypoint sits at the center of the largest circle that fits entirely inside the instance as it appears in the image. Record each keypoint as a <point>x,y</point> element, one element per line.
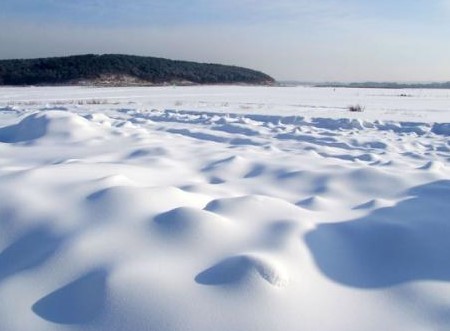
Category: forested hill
<point>111,69</point>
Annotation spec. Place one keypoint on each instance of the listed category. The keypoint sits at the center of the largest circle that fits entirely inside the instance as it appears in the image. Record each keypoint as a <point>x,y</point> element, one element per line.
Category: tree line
<point>72,69</point>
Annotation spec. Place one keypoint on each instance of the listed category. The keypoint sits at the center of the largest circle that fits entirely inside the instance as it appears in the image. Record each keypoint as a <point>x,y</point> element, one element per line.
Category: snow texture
<point>224,208</point>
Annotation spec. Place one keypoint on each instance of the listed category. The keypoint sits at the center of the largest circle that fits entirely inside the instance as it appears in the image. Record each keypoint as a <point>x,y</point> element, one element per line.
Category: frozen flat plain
<point>224,208</point>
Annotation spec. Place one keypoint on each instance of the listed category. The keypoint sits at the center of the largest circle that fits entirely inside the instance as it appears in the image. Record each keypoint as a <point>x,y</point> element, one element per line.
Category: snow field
<point>146,212</point>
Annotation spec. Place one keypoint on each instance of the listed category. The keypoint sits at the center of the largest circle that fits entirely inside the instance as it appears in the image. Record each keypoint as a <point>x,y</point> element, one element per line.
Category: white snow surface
<point>224,208</point>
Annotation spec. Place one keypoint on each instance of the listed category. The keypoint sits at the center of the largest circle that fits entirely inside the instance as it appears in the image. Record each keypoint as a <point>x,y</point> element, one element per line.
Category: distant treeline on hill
<point>111,69</point>
<point>388,85</point>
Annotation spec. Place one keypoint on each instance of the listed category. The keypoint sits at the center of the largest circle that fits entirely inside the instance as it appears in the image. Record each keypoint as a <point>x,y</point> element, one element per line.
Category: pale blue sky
<point>347,40</point>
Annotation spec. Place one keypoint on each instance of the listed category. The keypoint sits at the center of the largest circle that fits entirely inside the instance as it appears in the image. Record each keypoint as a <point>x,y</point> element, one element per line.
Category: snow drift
<point>125,216</point>
<point>54,125</point>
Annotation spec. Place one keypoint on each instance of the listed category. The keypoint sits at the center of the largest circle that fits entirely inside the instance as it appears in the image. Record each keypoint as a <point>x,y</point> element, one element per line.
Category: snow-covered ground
<point>224,208</point>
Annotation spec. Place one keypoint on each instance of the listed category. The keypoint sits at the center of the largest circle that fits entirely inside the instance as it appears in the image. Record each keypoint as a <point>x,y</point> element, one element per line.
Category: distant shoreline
<point>374,85</point>
<point>121,84</point>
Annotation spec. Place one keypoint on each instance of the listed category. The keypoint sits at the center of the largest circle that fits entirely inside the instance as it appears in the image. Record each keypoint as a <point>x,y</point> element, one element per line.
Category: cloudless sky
<point>309,40</point>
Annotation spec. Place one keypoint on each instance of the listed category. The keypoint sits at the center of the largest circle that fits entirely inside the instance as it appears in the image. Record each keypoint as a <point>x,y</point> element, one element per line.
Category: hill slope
<point>112,69</point>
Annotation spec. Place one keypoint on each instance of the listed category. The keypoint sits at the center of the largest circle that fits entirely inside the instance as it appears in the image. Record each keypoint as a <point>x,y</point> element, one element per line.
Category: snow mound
<point>433,166</point>
<point>232,167</point>
<point>316,203</point>
<point>119,201</point>
<point>61,126</point>
<point>191,224</point>
<point>114,180</point>
<point>244,268</point>
<point>251,207</point>
<point>98,117</point>
<point>374,204</point>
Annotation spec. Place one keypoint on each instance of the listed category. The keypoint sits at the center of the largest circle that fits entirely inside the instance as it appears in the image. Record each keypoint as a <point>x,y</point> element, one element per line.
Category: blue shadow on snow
<point>406,242</point>
<point>78,302</point>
